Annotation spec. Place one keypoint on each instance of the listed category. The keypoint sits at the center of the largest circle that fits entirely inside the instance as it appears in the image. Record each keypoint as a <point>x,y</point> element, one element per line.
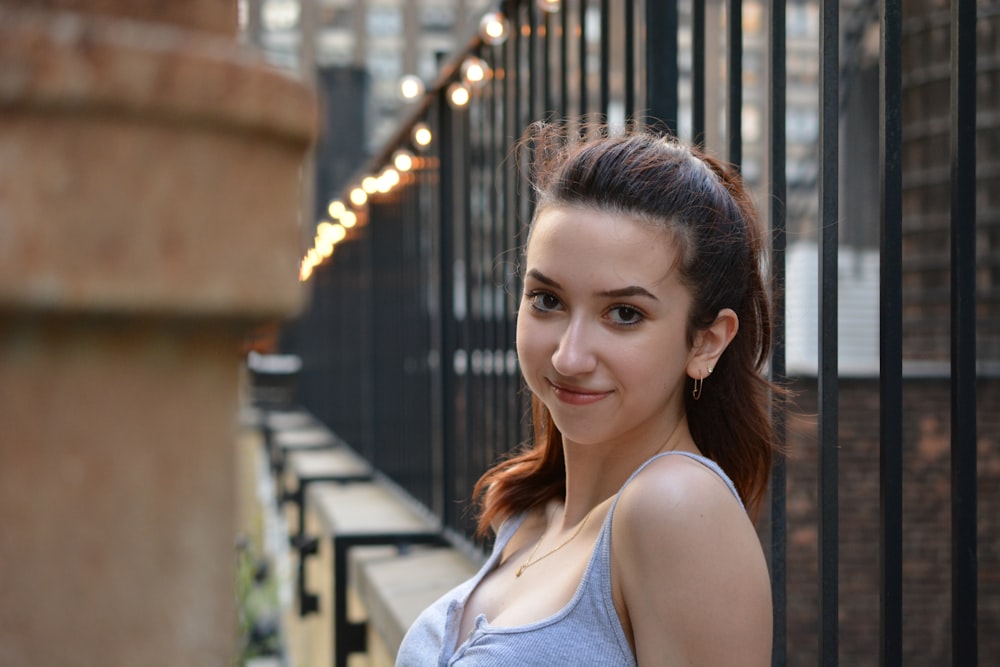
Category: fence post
<point>148,179</point>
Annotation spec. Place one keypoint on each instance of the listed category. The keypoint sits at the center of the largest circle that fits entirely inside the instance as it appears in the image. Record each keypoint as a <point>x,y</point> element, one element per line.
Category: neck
<point>596,472</point>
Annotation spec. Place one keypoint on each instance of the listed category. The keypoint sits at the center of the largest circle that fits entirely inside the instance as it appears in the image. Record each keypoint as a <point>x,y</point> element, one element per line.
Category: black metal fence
<point>408,343</point>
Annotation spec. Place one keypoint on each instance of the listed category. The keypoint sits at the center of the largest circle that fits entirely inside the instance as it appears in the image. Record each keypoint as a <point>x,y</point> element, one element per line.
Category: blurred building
<point>361,52</point>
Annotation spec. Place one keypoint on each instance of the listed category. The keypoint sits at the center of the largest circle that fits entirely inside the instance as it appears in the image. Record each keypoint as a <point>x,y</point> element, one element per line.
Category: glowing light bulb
<point>458,95</point>
<point>324,247</point>
<point>336,208</point>
<point>402,161</point>
<point>323,230</point>
<point>494,28</point>
<point>388,180</point>
<point>411,87</point>
<point>305,270</point>
<point>358,197</point>
<point>422,135</point>
<point>475,71</point>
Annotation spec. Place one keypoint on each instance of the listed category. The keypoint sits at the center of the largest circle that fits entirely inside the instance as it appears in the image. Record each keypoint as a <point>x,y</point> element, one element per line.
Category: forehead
<point>601,242</point>
<point>602,232</point>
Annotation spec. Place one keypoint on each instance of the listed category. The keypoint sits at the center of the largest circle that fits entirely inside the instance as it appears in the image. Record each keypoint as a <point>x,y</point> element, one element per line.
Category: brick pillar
<point>149,187</point>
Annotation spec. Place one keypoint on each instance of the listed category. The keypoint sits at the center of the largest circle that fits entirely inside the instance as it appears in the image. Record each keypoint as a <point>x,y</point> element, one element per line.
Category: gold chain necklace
<point>528,563</point>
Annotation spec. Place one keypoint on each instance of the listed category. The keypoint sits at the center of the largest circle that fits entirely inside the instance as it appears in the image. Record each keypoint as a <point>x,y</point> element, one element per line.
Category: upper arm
<point>691,580</point>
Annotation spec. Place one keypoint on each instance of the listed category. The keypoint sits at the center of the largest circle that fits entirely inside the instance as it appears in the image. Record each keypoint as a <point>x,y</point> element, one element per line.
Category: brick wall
<point>926,524</point>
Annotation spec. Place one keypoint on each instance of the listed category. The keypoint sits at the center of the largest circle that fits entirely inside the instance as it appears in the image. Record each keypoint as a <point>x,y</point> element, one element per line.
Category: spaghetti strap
<point>705,461</point>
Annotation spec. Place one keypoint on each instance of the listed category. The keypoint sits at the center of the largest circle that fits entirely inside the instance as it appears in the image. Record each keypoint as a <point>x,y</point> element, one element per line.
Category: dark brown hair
<point>704,206</point>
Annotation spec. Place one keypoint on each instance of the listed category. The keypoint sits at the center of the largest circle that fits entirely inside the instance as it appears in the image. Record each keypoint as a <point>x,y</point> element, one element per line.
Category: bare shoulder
<point>689,576</point>
<point>677,493</point>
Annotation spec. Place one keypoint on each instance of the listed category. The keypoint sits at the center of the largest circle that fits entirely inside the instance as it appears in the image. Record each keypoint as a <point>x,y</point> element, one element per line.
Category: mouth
<point>577,395</point>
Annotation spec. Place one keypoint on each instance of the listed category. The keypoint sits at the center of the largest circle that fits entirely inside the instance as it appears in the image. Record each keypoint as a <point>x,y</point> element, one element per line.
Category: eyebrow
<point>631,290</point>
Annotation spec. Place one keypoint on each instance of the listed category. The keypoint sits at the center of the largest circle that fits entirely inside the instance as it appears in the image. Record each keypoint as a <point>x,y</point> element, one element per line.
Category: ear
<point>710,343</point>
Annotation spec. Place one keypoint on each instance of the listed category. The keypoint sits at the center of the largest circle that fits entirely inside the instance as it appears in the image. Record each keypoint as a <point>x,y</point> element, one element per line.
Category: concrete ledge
<point>350,517</point>
<point>307,437</point>
<point>362,508</point>
<point>386,581</point>
<point>394,588</point>
<point>319,464</point>
<point>282,420</point>
<point>306,467</point>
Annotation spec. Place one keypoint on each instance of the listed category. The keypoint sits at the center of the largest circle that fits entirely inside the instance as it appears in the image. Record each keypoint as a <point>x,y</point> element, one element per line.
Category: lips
<point>576,395</point>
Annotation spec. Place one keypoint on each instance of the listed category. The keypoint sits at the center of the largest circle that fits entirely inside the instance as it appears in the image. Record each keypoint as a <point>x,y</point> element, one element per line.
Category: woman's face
<point>601,331</point>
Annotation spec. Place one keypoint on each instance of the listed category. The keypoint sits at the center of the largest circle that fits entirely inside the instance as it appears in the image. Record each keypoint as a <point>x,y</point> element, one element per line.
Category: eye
<point>626,315</point>
<point>543,301</point>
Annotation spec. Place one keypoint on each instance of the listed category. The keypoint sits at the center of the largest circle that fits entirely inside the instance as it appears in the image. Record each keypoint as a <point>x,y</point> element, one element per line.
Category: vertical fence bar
<point>582,52</point>
<point>530,17</point>
<point>828,357</point>
<point>446,283</point>
<point>426,212</point>
<point>418,389</point>
<point>509,234</point>
<point>779,194</point>
<point>383,233</point>
<point>698,74</point>
<point>564,28</point>
<point>512,116</point>
<point>545,26</point>
<point>629,64</point>
<point>661,64</point>
<point>469,419</point>
<point>964,567</point>
<point>493,133</point>
<point>891,335</point>
<point>734,79</point>
<point>367,358</point>
<point>605,58</point>
<point>482,210</point>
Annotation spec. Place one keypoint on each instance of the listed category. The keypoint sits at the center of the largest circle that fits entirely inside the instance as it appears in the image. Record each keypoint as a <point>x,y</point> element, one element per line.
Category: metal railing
<point>409,340</point>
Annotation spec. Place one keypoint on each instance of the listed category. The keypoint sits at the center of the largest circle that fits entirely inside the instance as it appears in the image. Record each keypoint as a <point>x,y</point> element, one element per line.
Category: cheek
<point>535,342</point>
<point>656,363</point>
<point>525,341</point>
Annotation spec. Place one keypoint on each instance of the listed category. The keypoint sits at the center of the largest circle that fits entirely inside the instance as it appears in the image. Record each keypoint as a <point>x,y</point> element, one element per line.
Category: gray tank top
<point>586,631</point>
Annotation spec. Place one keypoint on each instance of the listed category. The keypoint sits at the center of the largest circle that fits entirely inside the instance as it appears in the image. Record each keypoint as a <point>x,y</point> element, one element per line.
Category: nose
<point>575,354</point>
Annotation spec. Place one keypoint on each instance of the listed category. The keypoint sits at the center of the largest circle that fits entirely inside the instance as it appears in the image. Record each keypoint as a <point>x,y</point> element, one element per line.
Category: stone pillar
<point>149,190</point>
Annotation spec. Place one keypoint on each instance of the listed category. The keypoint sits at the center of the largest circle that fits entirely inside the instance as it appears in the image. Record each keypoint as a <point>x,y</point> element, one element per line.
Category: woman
<point>622,532</point>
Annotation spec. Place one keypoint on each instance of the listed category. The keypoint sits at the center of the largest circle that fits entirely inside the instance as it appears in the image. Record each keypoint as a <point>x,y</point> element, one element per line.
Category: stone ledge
<point>362,508</point>
<point>310,464</point>
<point>394,588</point>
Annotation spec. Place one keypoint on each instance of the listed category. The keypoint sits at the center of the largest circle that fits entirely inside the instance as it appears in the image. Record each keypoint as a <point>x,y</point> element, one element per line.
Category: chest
<point>544,588</point>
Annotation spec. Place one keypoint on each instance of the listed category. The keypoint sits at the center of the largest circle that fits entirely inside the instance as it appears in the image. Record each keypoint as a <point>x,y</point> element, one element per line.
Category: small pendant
<point>519,571</point>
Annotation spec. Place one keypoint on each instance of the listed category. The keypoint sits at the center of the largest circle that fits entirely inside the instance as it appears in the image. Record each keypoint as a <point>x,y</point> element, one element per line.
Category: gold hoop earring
<point>696,392</point>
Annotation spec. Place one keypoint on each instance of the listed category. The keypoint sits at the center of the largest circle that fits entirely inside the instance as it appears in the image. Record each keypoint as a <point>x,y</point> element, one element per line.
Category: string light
<point>324,247</point>
<point>411,87</point>
<point>422,135</point>
<point>458,95</point>
<point>305,270</point>
<point>388,180</point>
<point>475,71</point>
<point>402,160</point>
<point>336,208</point>
<point>494,28</point>
<point>358,197</point>
<point>330,233</point>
